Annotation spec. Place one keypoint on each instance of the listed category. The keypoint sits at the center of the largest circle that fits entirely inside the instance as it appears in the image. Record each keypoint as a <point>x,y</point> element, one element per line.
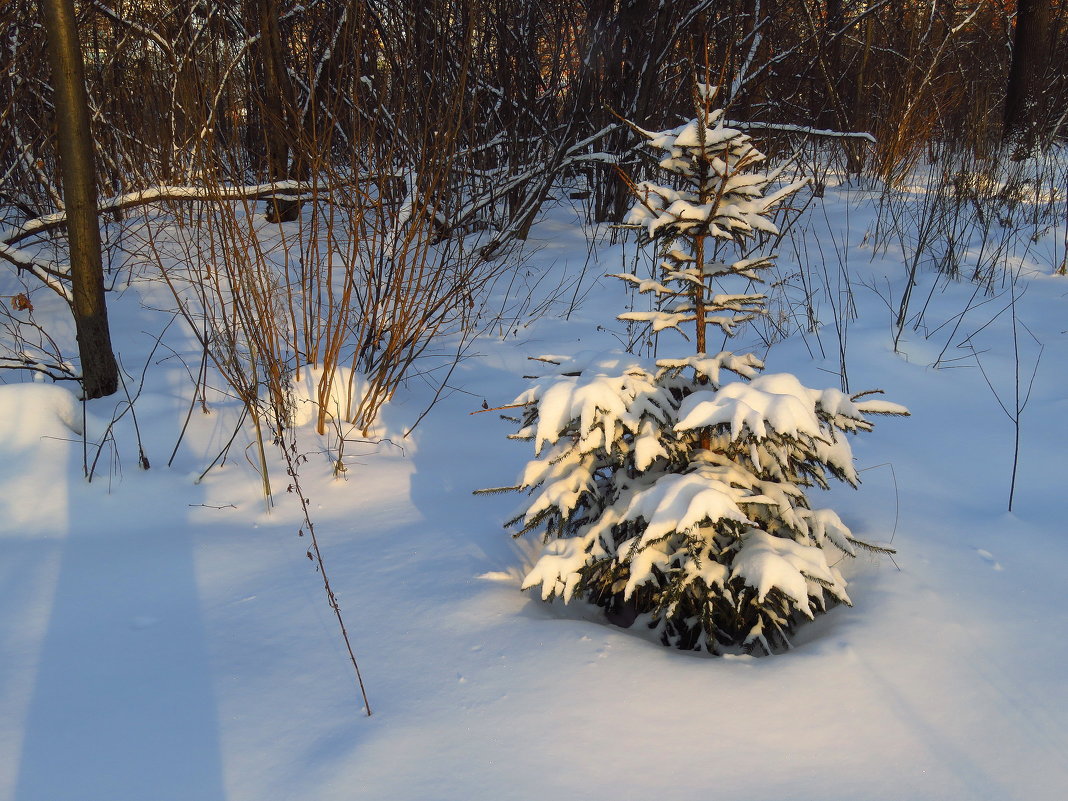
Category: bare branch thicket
<point>356,292</point>
<point>252,80</point>
<point>478,110</point>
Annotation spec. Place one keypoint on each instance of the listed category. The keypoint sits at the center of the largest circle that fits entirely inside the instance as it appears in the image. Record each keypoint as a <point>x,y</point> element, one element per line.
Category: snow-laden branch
<point>540,176</point>
<point>804,130</point>
<point>54,370</point>
<point>24,261</point>
<point>147,33</point>
<point>756,36</point>
<point>49,222</point>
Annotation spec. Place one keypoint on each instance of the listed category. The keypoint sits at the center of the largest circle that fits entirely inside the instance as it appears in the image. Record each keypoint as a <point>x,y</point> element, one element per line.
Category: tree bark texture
<point>100,375</point>
<point>1028,71</point>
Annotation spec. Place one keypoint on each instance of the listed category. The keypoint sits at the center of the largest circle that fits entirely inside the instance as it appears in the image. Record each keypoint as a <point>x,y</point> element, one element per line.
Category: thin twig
<point>291,470</point>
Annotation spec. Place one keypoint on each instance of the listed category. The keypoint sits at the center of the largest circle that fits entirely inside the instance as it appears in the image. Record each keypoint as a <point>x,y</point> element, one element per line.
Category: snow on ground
<point>163,639</point>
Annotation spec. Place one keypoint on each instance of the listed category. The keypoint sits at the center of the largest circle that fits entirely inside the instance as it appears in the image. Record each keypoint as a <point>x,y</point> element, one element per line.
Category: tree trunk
<point>1028,72</point>
<point>100,375</point>
<point>280,114</point>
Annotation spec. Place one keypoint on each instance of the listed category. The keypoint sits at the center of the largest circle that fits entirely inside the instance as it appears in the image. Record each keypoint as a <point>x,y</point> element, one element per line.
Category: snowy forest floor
<point>162,639</point>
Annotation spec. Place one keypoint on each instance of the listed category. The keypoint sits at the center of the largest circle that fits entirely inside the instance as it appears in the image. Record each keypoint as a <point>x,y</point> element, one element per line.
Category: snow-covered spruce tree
<point>667,494</point>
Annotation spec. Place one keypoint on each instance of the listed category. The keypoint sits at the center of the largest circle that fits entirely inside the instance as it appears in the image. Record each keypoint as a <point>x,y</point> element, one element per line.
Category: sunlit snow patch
<point>341,399</point>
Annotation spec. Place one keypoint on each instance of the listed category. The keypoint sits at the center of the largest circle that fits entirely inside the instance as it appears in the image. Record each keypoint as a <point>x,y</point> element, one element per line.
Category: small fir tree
<point>670,495</point>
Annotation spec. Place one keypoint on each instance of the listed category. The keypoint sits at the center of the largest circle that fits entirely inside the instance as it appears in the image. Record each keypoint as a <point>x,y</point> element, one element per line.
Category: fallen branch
<point>800,129</point>
<point>50,222</point>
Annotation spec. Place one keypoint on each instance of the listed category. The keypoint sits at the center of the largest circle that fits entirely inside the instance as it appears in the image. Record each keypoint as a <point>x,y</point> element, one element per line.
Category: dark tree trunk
<point>1028,72</point>
<point>279,111</point>
<point>623,53</point>
<point>100,375</point>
